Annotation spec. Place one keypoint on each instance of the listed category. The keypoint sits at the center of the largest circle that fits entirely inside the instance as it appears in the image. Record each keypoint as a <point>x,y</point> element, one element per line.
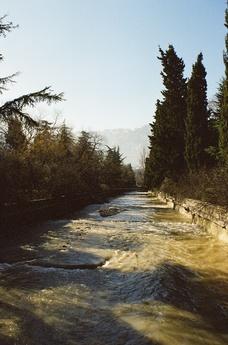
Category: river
<point>143,276</point>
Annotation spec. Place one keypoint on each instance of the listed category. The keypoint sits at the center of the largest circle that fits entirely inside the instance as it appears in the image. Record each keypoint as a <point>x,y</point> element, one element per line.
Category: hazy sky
<point>102,53</point>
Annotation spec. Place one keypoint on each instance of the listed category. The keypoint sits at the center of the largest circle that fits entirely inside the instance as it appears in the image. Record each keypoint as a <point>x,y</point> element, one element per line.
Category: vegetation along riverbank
<point>45,170</point>
<point>189,135</point>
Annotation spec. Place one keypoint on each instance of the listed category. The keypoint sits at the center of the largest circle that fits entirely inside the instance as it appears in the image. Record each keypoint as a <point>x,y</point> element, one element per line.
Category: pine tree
<point>15,137</point>
<point>223,121</point>
<point>127,176</point>
<point>167,131</point>
<point>196,122</point>
<point>16,107</point>
<point>65,141</point>
<point>113,167</point>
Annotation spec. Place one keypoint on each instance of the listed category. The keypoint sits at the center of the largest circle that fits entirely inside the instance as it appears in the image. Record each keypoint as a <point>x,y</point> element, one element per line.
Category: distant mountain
<point>131,142</point>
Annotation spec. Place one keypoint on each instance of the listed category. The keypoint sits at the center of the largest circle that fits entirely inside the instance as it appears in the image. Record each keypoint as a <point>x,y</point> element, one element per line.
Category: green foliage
<point>186,131</point>
<point>39,160</point>
<point>17,107</point>
<point>115,173</point>
<point>66,141</point>
<point>210,185</point>
<point>218,101</point>
<point>50,162</point>
<point>148,174</point>
<point>215,110</point>
<point>185,126</point>
<point>88,159</point>
<point>197,133</point>
<point>127,177</point>
<point>223,121</point>
<point>5,27</point>
<point>15,137</point>
<point>166,157</point>
<point>112,167</point>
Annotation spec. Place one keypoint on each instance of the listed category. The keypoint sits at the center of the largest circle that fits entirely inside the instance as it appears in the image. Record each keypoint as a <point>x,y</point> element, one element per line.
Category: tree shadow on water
<point>202,293</point>
<point>84,322</point>
<point>82,328</point>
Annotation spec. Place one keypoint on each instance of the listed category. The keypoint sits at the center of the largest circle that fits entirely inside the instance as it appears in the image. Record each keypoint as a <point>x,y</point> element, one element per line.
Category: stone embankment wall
<point>211,217</point>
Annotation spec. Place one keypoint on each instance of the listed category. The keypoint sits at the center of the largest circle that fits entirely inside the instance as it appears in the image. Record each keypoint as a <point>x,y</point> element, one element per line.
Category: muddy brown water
<point>143,276</point>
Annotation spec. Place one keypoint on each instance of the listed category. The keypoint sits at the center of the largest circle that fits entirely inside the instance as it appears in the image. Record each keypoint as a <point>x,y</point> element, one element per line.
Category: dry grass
<point>206,185</point>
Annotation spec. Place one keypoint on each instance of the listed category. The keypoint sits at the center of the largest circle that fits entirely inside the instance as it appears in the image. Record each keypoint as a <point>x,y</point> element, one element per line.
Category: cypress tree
<point>215,109</point>
<point>156,164</point>
<point>219,99</point>
<point>167,131</point>
<point>223,121</point>
<point>197,117</point>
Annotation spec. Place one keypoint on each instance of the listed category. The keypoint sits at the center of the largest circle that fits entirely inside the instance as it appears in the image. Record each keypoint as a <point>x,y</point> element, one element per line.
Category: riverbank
<point>213,218</point>
<point>34,211</point>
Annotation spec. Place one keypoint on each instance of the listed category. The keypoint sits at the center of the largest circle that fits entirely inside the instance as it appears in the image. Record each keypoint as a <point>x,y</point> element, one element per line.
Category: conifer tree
<point>65,140</point>
<point>113,167</point>
<point>15,137</point>
<point>167,131</point>
<point>16,107</point>
<point>215,109</point>
<point>156,164</point>
<point>196,122</point>
<point>219,99</point>
<point>223,121</point>
<point>127,176</point>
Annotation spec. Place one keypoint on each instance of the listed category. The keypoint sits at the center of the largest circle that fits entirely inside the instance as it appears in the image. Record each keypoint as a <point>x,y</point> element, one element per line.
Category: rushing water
<point>143,276</point>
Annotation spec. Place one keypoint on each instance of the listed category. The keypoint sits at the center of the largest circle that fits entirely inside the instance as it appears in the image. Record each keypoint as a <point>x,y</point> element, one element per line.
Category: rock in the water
<point>109,211</point>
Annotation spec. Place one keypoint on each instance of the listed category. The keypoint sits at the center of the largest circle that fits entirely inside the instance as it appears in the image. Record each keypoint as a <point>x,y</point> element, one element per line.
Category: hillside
<point>131,142</point>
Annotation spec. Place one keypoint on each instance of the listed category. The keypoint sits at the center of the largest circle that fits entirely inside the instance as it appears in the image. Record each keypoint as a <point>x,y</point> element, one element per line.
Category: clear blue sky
<point>102,53</point>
